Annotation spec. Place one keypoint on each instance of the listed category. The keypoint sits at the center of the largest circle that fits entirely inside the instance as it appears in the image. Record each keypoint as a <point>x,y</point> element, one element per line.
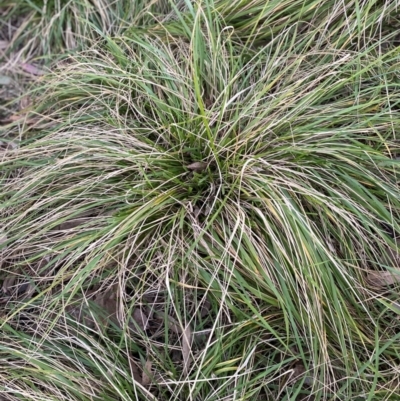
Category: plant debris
<point>197,166</point>
<point>146,376</point>
<point>186,349</point>
<point>383,278</point>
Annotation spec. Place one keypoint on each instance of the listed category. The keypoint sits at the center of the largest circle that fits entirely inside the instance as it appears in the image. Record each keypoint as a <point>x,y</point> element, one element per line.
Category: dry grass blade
<point>291,137</point>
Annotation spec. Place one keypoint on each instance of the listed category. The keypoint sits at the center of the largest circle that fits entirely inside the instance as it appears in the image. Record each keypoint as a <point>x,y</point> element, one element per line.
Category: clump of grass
<point>237,194</point>
<point>346,25</point>
<point>46,27</point>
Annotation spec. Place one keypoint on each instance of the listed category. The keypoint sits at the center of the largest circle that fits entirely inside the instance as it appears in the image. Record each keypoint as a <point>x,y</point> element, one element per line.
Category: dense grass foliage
<point>45,27</point>
<point>205,206</point>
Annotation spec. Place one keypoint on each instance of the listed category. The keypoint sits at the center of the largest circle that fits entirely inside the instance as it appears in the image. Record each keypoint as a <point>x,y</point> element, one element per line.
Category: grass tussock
<point>207,208</point>
<point>44,27</point>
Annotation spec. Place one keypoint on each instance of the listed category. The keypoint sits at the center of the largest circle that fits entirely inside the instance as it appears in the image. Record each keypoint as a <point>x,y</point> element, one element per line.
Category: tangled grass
<point>206,208</point>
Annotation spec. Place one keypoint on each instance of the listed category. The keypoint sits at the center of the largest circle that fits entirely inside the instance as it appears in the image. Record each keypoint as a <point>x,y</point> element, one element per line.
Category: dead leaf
<point>25,102</point>
<point>3,237</point>
<point>176,356</point>
<point>187,338</point>
<point>149,306</point>
<point>4,80</point>
<point>107,311</point>
<point>197,166</point>
<point>205,308</point>
<point>41,267</point>
<point>383,278</point>
<point>8,284</point>
<point>140,318</point>
<point>23,118</point>
<point>95,318</point>
<point>73,223</point>
<point>69,38</point>
<point>14,287</point>
<point>4,44</point>
<point>135,371</point>
<point>310,397</point>
<point>395,307</point>
<point>80,312</point>
<point>186,349</point>
<point>32,69</point>
<point>146,376</point>
<point>108,302</point>
<point>174,326</point>
<point>11,119</point>
<point>394,256</point>
<point>3,240</point>
<point>8,146</point>
<point>299,372</point>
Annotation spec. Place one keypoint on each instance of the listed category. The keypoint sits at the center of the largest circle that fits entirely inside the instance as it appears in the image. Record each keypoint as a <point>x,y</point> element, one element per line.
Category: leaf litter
<point>23,281</point>
<point>187,338</point>
<point>32,69</point>
<point>5,80</point>
<point>98,310</point>
<point>197,166</point>
<point>146,375</point>
<point>4,44</point>
<point>3,236</point>
<point>107,305</point>
<point>186,349</point>
<point>7,146</point>
<point>140,318</point>
<point>383,278</point>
